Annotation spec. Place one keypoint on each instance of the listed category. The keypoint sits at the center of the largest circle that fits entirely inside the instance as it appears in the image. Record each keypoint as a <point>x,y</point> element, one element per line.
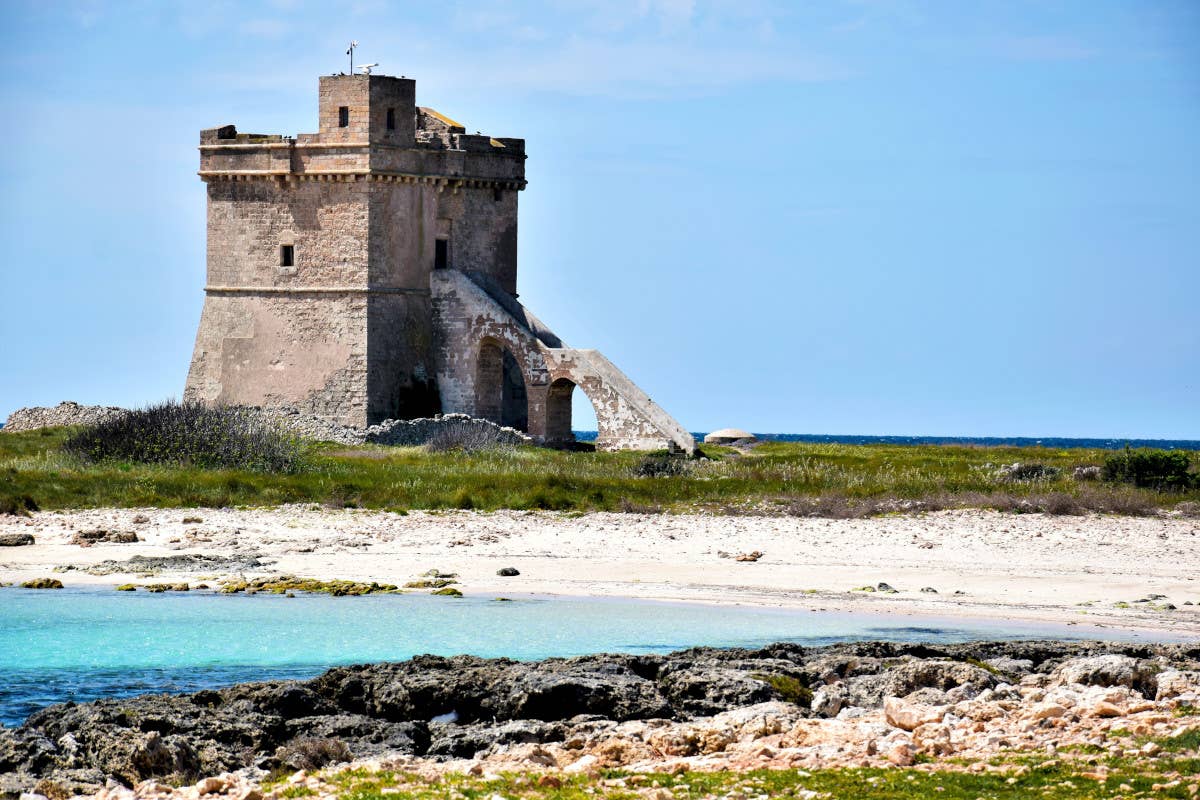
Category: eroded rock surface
<point>893,701</point>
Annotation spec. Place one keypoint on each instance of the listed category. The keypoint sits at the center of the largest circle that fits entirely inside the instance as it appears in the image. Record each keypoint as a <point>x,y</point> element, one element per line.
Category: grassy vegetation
<point>776,478</point>
<point>1019,775</point>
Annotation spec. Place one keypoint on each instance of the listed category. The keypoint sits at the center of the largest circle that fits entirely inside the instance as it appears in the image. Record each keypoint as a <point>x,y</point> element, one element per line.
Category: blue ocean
<point>1057,442</point>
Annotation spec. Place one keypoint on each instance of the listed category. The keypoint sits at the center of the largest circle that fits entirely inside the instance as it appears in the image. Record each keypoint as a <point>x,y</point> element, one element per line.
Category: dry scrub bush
<point>468,438</point>
<point>313,753</point>
<point>189,434</point>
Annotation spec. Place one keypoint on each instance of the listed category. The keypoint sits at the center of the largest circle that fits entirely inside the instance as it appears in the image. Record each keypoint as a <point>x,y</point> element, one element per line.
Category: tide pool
<point>82,644</point>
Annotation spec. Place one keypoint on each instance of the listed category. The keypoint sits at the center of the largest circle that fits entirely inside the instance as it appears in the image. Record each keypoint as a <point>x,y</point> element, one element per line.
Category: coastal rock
<point>704,690</point>
<point>901,755</point>
<point>89,538</point>
<point>42,583</point>
<point>828,701</point>
<point>508,572</point>
<point>1174,683</point>
<point>908,716</point>
<point>1012,666</point>
<point>597,711</point>
<point>1110,670</point>
<point>904,679</point>
<point>15,539</point>
<point>191,562</point>
<point>615,691</point>
<point>450,740</point>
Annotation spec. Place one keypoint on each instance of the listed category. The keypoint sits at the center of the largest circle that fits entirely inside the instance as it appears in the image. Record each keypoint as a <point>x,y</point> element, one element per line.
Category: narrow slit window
<point>497,195</point>
<point>391,119</point>
<point>343,116</point>
<point>441,254</point>
<point>287,255</point>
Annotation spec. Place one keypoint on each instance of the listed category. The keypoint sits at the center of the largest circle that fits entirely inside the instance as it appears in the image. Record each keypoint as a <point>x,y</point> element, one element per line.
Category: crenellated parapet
<point>370,129</point>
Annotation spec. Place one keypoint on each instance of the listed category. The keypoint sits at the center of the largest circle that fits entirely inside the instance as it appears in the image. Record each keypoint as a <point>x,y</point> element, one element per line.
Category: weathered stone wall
<point>306,350</point>
<point>483,233</point>
<point>412,433</point>
<point>368,98</point>
<point>325,223</point>
<point>64,414</point>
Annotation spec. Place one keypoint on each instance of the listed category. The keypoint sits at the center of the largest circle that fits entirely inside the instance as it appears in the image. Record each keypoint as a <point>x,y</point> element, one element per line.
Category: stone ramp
<point>472,311</point>
<point>590,366</point>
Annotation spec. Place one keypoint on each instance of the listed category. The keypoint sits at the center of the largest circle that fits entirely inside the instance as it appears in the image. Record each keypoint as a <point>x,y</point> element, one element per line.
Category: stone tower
<point>369,271</point>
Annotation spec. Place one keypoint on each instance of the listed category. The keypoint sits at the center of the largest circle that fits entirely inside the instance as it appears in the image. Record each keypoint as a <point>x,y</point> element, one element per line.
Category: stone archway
<point>500,392</point>
<point>560,422</point>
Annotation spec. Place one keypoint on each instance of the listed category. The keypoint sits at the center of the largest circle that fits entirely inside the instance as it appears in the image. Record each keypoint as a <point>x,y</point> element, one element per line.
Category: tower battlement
<point>369,125</point>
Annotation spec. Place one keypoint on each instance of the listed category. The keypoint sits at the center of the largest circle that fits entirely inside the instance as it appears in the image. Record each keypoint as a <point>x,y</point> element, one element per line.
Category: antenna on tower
<point>350,52</point>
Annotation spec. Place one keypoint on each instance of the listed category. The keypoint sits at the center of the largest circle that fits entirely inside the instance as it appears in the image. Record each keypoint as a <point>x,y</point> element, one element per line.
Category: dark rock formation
<point>456,707</point>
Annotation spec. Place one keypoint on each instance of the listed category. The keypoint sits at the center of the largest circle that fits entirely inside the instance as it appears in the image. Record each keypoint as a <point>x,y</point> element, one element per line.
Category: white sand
<point>1029,567</point>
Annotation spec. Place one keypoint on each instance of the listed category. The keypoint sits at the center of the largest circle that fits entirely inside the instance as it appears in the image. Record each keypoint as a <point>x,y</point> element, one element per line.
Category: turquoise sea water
<point>81,644</point>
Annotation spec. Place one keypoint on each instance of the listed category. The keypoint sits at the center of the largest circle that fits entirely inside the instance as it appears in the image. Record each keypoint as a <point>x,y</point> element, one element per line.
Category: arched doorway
<point>500,394</point>
<point>561,401</point>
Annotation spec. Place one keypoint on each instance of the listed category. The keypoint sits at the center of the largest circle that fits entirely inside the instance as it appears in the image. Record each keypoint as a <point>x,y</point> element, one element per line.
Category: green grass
<point>1020,775</point>
<point>774,478</point>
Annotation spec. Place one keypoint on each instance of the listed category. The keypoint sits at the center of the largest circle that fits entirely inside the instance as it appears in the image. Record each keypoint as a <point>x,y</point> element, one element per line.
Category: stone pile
<point>413,432</point>
<point>63,414</point>
<point>872,704</point>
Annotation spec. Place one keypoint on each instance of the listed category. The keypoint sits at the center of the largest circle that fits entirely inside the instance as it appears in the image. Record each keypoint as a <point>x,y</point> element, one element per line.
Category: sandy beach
<point>1123,572</point>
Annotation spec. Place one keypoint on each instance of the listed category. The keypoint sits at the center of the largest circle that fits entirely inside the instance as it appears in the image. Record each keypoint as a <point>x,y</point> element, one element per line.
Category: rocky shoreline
<point>782,706</point>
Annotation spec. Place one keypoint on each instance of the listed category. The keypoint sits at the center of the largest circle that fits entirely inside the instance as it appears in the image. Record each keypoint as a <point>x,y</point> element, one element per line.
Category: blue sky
<point>852,216</point>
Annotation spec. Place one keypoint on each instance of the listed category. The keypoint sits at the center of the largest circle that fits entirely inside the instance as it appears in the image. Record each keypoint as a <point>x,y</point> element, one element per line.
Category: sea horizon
<point>1096,443</point>
<point>1086,442</point>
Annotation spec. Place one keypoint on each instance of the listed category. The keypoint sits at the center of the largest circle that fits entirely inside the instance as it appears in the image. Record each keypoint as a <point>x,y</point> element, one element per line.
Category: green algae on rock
<point>290,583</point>
<point>42,583</point>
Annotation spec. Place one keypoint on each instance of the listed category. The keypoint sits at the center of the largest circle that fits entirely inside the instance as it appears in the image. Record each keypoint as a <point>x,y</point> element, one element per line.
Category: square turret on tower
<point>368,108</point>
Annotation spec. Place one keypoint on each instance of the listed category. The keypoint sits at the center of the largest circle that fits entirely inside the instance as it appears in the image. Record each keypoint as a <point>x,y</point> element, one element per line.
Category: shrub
<point>18,505</point>
<point>660,466</point>
<point>1029,472</point>
<point>468,437</point>
<point>225,437</point>
<point>790,689</point>
<point>1151,469</point>
<point>631,507</point>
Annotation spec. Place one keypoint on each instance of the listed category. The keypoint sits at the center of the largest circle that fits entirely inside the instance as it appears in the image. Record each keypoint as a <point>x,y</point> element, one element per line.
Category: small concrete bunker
<point>369,271</point>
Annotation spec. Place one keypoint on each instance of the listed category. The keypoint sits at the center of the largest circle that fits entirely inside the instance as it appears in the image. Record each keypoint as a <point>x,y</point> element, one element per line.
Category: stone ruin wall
<point>410,433</point>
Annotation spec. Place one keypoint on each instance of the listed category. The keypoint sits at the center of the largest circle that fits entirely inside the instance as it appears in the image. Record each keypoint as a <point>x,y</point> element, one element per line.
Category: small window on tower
<point>287,255</point>
<point>391,119</point>
<point>343,116</point>
<point>497,195</point>
<point>441,254</point>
